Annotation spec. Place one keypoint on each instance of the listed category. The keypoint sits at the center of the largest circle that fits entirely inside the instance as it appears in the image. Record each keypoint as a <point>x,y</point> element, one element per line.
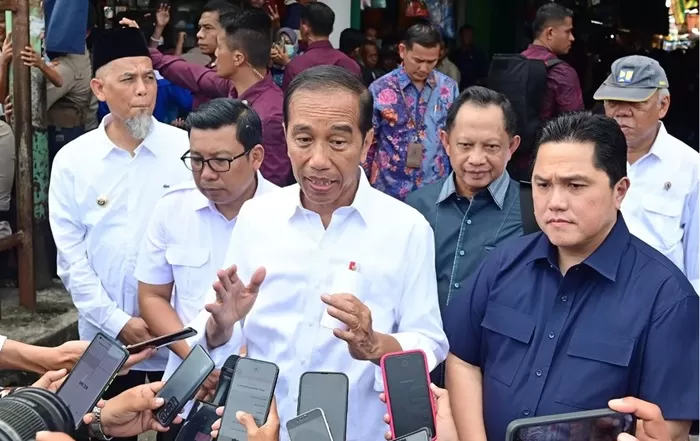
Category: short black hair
<point>548,14</point>
<point>369,43</point>
<point>329,78</point>
<point>250,31</point>
<point>350,39</point>
<point>482,97</point>
<point>424,34</point>
<point>223,112</point>
<point>319,17</point>
<point>220,6</point>
<point>609,144</point>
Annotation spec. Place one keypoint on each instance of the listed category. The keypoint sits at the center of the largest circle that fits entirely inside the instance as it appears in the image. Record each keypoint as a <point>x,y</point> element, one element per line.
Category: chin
<point>560,238</point>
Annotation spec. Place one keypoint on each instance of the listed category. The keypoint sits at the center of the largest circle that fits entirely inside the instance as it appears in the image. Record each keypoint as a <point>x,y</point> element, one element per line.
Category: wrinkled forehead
<point>324,111</point>
<point>129,66</point>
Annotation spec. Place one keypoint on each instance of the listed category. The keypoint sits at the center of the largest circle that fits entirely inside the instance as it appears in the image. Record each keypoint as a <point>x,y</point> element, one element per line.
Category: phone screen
<point>605,428</point>
<point>421,435</point>
<point>251,391</point>
<point>91,375</point>
<point>408,390</point>
<point>197,426</point>
<point>309,426</point>
<point>327,391</point>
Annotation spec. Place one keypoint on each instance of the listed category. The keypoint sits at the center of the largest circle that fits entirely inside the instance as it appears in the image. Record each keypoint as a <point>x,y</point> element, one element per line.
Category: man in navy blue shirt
<point>581,313</point>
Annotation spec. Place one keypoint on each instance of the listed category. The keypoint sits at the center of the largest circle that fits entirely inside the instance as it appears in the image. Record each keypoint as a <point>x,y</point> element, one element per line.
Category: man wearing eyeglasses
<point>188,234</point>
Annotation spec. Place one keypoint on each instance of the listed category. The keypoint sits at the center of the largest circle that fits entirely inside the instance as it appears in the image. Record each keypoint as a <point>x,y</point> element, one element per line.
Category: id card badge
<point>345,280</point>
<point>414,158</point>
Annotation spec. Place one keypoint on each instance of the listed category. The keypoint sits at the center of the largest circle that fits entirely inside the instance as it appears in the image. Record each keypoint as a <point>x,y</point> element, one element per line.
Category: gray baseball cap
<point>633,79</point>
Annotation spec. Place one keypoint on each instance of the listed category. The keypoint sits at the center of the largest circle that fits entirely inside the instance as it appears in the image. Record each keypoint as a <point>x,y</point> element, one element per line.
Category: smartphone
<point>599,425</point>
<point>251,391</point>
<point>183,384</point>
<point>408,397</point>
<point>327,391</point>
<point>421,435</point>
<point>92,375</point>
<point>309,426</point>
<point>162,341</point>
<point>197,426</point>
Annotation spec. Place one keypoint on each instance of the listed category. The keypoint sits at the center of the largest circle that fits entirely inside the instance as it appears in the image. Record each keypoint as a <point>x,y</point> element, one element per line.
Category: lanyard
<point>410,112</point>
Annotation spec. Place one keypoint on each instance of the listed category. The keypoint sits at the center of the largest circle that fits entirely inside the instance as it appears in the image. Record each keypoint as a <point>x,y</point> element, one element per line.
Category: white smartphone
<point>309,426</point>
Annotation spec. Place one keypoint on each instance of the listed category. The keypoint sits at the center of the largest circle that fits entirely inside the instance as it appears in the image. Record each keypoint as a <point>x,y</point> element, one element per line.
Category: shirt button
<point>526,412</point>
<point>551,335</point>
<point>469,221</point>
<point>538,372</point>
<point>564,299</point>
<point>456,285</point>
<point>461,252</point>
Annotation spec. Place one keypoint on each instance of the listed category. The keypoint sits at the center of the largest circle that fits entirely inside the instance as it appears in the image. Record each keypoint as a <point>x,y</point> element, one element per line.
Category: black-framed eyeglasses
<point>219,165</point>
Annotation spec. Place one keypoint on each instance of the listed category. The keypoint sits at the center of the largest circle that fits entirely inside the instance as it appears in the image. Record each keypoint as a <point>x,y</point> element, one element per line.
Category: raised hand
<point>234,300</point>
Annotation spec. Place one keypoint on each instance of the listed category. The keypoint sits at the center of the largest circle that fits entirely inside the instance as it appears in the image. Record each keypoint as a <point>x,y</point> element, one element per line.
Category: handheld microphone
<point>225,377</point>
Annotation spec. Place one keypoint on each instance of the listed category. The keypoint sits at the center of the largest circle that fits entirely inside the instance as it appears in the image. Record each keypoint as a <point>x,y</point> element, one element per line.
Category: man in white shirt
<point>103,188</point>
<point>661,206</point>
<point>348,271</point>
<point>189,232</point>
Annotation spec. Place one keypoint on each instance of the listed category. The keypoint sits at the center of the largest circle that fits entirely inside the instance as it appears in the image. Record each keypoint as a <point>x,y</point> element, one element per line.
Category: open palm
<point>234,300</point>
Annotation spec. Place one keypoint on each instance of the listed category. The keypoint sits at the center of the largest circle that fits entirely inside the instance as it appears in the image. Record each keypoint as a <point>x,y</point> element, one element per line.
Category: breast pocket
<point>507,334</point>
<point>189,266</point>
<point>664,215</point>
<point>596,367</point>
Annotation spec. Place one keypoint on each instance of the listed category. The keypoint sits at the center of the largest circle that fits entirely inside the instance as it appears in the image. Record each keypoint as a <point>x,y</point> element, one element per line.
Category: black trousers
<point>125,382</point>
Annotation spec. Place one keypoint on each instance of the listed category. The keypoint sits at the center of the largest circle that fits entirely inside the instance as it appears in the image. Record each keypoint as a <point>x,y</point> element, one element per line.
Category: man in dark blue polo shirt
<point>576,315</point>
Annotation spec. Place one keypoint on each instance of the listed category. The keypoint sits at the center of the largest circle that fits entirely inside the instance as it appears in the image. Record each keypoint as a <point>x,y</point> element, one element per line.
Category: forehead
<point>131,65</point>
<point>209,18</point>
<point>419,51</point>
<point>211,142</point>
<point>323,109</point>
<point>566,23</point>
<point>566,158</point>
<point>487,119</point>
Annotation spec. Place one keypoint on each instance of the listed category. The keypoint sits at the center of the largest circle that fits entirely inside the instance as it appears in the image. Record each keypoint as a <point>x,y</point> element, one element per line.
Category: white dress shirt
<point>186,242</point>
<point>661,206</point>
<point>100,201</point>
<point>393,246</point>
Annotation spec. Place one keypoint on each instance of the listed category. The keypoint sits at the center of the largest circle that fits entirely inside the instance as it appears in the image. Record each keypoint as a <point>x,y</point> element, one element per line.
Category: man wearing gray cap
<point>661,207</point>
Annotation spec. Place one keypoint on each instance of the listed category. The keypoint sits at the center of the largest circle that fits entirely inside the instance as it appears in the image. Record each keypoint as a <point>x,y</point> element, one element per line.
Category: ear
<point>97,85</point>
<point>366,144</point>
<point>620,191</point>
<point>402,50</point>
<point>239,58</point>
<point>445,139</point>
<point>664,105</point>
<point>256,156</point>
<point>513,146</point>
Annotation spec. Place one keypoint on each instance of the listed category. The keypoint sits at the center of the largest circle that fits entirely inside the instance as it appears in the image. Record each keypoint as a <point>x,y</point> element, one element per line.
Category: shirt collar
<point>498,188</point>
<point>256,91</point>
<point>605,259</point>
<point>362,202</point>
<point>405,81</point>
<point>199,201</point>
<point>323,44</point>
<point>150,143</point>
<point>657,148</point>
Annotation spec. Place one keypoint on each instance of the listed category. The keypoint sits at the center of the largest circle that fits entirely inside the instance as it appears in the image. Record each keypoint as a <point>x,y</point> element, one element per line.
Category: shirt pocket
<point>598,360</point>
<point>507,337</point>
<point>187,264</point>
<point>664,217</point>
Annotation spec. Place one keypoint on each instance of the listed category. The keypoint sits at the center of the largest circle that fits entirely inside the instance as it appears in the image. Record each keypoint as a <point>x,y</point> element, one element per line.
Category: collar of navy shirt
<point>605,260</point>
<point>498,188</point>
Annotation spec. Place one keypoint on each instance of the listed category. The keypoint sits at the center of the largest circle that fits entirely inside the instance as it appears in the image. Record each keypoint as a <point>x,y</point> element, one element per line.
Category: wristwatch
<point>96,430</point>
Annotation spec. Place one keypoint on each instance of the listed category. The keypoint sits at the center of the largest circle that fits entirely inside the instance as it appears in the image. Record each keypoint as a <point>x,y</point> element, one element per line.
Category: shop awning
<point>66,25</point>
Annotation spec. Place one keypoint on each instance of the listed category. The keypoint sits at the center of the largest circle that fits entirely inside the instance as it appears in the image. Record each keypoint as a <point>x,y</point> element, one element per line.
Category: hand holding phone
<point>270,430</point>
<point>598,425</point>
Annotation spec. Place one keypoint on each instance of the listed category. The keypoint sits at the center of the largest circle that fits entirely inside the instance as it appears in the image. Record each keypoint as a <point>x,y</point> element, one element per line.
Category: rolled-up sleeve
<point>151,266</point>
<point>670,364</point>
<point>276,166</point>
<point>195,78</point>
<point>74,270</point>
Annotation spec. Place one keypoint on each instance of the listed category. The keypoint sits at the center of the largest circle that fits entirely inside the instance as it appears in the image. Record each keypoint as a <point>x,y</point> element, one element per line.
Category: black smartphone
<point>598,425</point>
<point>421,435</point>
<point>309,426</point>
<point>327,391</point>
<point>251,391</point>
<point>92,375</point>
<point>408,396</point>
<point>197,425</point>
<point>183,385</point>
<point>162,341</point>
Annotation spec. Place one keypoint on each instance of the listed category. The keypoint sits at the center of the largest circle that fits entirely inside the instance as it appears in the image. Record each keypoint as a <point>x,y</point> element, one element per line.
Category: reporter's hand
<point>650,424</point>
<point>131,413</point>
<point>208,388</point>
<point>52,436</point>
<point>270,431</point>
<point>52,380</point>
<point>135,331</point>
<point>444,422</point>
<point>129,22</point>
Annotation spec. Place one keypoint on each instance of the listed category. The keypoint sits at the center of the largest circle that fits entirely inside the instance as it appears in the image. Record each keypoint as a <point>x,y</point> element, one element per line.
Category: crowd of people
<point>242,224</point>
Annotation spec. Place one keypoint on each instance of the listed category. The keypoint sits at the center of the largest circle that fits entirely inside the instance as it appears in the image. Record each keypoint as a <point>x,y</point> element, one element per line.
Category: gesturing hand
<point>234,300</point>
<point>360,337</point>
<point>163,15</point>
